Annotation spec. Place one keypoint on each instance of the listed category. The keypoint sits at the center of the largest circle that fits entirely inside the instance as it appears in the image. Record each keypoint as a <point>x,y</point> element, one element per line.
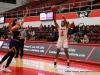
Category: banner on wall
<point>84,14</point>
<point>76,52</point>
<point>91,17</point>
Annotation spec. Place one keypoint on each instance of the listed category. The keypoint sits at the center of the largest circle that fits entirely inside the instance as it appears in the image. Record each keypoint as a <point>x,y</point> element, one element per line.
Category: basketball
<point>54,8</point>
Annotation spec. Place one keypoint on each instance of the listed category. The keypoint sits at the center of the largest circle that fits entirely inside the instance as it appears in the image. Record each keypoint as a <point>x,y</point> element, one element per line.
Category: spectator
<point>2,38</point>
<point>9,37</point>
<point>60,10</point>
<point>28,27</point>
<point>43,28</point>
<point>63,9</point>
<point>94,31</point>
<point>68,24</point>
<point>42,8</point>
<point>31,28</point>
<point>83,29</point>
<point>73,40</point>
<point>69,38</point>
<point>30,7</point>
<point>78,39</point>
<point>32,38</point>
<point>32,33</point>
<point>8,28</point>
<point>43,36</point>
<point>52,27</point>
<point>72,25</point>
<point>87,29</point>
<point>3,27</point>
<point>49,6</point>
<point>54,33</point>
<point>48,28</point>
<point>75,5</point>
<point>46,6</point>
<point>38,36</point>
<point>85,40</point>
<point>28,35</point>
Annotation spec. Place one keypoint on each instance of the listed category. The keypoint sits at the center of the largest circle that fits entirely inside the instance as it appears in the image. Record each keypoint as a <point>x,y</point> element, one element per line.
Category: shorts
<point>62,42</point>
<point>13,46</point>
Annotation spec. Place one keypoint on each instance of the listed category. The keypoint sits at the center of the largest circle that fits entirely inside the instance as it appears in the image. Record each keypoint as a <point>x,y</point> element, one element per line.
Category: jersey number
<point>62,33</point>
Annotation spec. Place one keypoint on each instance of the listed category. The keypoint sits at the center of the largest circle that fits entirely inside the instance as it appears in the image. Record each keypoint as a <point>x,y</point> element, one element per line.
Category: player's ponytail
<point>14,22</point>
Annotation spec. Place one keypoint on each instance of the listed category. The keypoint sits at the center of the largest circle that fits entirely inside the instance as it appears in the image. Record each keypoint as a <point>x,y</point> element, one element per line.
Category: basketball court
<point>30,65</point>
<point>34,26</point>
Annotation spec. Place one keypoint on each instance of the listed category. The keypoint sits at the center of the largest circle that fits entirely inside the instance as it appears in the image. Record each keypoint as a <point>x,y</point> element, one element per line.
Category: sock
<point>67,60</point>
<point>55,60</point>
<point>6,66</point>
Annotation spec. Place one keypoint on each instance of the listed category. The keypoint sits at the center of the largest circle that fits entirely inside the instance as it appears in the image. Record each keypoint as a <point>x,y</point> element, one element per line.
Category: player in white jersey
<point>62,40</point>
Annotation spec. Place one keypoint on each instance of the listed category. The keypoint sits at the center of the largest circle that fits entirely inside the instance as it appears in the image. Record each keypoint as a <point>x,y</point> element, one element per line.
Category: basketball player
<point>16,29</point>
<point>62,40</point>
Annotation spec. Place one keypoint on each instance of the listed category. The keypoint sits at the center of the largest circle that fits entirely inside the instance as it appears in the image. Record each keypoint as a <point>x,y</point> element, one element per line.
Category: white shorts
<point>62,42</point>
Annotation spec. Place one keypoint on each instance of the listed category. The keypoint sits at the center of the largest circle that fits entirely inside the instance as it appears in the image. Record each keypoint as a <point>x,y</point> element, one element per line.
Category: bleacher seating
<point>38,4</point>
<point>94,38</point>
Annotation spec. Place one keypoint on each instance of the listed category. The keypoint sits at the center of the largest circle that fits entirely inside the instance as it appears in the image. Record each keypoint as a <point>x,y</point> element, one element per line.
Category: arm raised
<point>65,21</point>
<point>24,16</point>
<point>55,21</point>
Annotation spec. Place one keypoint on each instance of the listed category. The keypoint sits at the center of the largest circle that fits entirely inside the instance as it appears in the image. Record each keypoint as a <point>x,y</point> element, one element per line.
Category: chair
<point>92,42</point>
<point>98,37</point>
<point>94,34</point>
<point>45,34</point>
<point>46,31</point>
<point>96,25</point>
<point>91,25</point>
<point>36,31</point>
<point>93,37</point>
<point>88,34</point>
<point>52,37</point>
<point>98,33</point>
<point>37,39</point>
<point>91,28</point>
<point>48,36</point>
<point>41,39</point>
<point>77,28</point>
<point>45,40</point>
<point>81,37</point>
<point>50,31</point>
<point>98,42</point>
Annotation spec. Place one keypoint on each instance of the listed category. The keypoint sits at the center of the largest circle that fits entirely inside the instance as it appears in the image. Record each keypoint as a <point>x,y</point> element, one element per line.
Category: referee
<point>21,43</point>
